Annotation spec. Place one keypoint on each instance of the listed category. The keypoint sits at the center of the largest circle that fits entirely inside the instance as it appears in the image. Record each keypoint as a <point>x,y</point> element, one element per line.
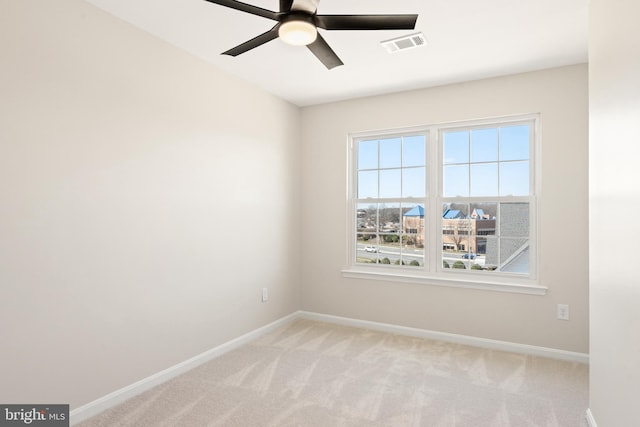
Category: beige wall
<point>614,150</point>
<point>129,171</point>
<point>560,95</point>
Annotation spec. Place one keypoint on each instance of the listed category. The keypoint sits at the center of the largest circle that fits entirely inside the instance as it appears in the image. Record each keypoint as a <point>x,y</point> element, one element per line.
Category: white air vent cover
<point>404,42</point>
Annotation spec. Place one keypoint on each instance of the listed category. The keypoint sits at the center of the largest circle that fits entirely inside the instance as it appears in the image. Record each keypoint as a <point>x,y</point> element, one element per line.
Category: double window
<point>446,203</point>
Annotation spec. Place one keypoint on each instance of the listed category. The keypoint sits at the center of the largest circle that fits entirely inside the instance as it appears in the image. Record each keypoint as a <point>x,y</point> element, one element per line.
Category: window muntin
<point>405,183</point>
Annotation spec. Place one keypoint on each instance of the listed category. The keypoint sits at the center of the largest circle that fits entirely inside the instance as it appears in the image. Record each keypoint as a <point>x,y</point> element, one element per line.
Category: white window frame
<point>433,273</point>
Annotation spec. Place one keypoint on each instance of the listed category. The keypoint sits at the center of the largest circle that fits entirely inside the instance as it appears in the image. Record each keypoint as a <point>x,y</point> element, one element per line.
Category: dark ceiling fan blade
<point>243,7</point>
<point>324,53</point>
<point>366,22</point>
<point>285,5</point>
<point>254,42</point>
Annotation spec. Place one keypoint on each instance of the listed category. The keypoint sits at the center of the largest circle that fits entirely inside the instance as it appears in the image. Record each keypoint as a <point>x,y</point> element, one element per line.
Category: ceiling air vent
<point>404,42</point>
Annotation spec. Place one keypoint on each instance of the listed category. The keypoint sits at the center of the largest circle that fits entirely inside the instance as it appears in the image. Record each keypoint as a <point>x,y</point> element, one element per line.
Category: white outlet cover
<point>563,311</point>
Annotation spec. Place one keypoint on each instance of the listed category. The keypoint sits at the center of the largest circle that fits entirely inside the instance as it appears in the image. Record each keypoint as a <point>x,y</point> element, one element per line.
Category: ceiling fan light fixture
<point>297,32</point>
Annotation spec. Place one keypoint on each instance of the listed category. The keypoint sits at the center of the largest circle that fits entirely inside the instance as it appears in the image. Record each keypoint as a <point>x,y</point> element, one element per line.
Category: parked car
<point>469,255</point>
<point>371,249</point>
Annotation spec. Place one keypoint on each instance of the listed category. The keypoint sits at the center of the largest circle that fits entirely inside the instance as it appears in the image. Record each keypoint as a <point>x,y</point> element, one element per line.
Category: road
<point>409,254</point>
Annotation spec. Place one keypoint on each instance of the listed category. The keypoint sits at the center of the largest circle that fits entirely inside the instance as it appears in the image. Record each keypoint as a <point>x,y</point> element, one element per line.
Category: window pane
<point>413,182</point>
<point>412,243</point>
<point>456,147</point>
<point>413,150</point>
<point>514,219</point>
<point>514,255</point>
<point>514,143</point>
<point>390,153</point>
<point>509,250</point>
<point>514,178</point>
<point>483,217</point>
<point>484,179</point>
<point>484,145</point>
<point>455,226</point>
<point>367,184</point>
<point>389,228</point>
<point>366,249</point>
<point>455,232</point>
<point>367,218</point>
<point>367,236</point>
<point>413,223</point>
<point>412,252</point>
<point>508,255</point>
<point>390,183</point>
<point>368,155</point>
<point>484,228</point>
<point>456,180</point>
<point>389,218</point>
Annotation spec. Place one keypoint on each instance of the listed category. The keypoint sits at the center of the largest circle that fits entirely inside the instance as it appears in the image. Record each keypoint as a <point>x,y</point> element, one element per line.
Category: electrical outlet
<point>265,294</point>
<point>563,311</point>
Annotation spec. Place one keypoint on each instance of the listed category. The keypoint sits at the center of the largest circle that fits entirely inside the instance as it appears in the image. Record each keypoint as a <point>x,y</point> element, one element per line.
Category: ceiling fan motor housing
<point>298,29</point>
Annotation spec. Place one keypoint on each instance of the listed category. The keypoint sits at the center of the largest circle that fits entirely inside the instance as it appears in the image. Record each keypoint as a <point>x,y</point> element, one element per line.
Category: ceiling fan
<point>298,23</point>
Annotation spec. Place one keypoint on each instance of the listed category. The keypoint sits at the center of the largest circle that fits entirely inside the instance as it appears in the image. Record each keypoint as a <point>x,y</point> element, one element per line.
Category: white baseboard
<point>454,338</point>
<point>590,420</point>
<point>119,396</point>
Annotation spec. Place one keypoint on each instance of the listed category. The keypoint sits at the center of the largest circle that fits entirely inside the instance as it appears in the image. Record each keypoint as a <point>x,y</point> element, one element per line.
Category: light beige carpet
<point>309,373</point>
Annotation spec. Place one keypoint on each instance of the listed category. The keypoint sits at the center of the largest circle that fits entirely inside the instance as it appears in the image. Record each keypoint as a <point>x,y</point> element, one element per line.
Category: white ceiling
<point>467,40</point>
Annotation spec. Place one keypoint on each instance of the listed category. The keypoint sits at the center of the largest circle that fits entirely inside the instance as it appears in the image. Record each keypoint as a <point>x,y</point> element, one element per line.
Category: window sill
<point>404,276</point>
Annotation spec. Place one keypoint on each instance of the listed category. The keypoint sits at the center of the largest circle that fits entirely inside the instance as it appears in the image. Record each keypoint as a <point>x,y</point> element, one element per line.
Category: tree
<point>457,239</point>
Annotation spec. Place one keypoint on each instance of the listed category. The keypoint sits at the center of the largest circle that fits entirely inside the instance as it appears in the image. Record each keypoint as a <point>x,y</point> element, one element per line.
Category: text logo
<point>34,415</point>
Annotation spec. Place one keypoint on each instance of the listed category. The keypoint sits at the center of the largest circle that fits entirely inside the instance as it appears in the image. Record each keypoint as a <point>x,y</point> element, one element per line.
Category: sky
<point>476,163</point>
